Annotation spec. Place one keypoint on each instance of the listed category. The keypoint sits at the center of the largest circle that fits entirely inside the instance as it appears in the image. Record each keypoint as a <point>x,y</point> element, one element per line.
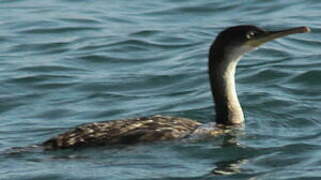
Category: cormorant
<point>224,54</point>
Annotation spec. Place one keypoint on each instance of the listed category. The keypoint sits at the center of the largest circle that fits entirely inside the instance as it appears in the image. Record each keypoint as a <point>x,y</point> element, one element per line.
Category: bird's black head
<point>238,35</point>
<point>238,40</point>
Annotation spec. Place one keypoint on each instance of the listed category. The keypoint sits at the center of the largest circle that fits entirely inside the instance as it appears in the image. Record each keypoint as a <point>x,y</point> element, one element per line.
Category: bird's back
<point>128,131</point>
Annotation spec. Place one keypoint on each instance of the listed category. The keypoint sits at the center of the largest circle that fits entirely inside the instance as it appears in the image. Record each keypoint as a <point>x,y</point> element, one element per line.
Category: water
<point>65,63</point>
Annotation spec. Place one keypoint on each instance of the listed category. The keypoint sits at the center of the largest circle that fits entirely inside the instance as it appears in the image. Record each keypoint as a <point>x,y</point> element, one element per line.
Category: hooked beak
<point>271,35</point>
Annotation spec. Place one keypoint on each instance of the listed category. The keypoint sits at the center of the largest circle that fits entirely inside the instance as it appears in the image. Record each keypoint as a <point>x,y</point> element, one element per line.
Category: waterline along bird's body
<point>224,54</point>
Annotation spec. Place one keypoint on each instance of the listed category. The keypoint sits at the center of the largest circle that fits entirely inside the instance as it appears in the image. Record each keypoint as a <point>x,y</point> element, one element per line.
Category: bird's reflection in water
<point>229,167</point>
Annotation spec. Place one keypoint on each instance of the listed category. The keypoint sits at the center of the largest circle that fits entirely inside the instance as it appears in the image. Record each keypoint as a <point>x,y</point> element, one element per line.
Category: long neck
<point>221,73</point>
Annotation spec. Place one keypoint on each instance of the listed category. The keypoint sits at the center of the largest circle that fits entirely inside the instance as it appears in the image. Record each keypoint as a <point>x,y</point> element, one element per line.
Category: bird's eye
<point>250,34</point>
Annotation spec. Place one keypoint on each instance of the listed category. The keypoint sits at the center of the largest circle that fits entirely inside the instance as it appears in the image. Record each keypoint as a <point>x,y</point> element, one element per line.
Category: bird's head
<point>237,40</point>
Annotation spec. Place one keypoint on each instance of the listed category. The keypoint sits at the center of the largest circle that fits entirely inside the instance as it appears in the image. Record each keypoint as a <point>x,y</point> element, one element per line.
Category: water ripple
<point>58,30</point>
<point>308,78</point>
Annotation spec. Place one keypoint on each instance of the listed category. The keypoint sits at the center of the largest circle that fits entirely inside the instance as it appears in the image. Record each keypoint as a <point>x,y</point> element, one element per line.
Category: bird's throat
<point>222,79</point>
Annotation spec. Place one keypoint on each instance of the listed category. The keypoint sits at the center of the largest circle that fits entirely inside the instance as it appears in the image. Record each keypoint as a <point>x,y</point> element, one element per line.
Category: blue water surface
<point>65,62</point>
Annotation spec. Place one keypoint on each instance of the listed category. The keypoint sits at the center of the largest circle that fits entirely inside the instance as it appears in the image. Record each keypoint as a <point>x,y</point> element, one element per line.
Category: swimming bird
<point>224,54</point>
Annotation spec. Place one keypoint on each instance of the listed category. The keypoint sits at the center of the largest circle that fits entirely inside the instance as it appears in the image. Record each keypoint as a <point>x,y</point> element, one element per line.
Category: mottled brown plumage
<point>128,131</point>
